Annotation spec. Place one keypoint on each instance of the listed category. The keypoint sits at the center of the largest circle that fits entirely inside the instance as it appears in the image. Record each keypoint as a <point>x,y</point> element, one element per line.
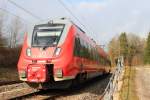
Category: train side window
<point>92,53</point>
<point>87,52</point>
<point>82,48</point>
<point>77,47</point>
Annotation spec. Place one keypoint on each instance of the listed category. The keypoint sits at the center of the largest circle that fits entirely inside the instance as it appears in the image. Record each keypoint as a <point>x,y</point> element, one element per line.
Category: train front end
<point>43,56</point>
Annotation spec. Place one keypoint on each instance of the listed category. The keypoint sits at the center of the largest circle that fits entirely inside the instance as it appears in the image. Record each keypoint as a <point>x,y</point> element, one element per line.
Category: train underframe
<point>63,83</point>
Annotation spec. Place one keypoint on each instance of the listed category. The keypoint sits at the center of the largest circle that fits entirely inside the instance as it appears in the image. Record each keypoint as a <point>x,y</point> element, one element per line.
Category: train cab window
<point>46,35</point>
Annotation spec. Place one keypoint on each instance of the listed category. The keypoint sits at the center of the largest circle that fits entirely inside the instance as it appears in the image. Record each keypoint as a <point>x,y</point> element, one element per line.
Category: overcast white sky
<point>103,18</point>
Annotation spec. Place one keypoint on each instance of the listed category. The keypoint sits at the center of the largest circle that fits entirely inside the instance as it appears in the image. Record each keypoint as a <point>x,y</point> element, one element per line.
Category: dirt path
<point>143,83</point>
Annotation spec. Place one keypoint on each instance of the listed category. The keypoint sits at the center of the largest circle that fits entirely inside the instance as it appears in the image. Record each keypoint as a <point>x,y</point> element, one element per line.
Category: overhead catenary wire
<point>25,10</point>
<point>82,17</point>
<point>11,35</point>
<point>2,9</point>
<point>18,17</point>
<point>64,5</point>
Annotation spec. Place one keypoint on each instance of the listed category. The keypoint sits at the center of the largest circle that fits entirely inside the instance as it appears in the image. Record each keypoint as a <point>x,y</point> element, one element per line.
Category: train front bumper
<point>37,73</point>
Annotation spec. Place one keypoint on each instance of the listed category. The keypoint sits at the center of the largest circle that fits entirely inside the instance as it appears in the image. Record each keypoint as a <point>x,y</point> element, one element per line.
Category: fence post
<point>113,86</point>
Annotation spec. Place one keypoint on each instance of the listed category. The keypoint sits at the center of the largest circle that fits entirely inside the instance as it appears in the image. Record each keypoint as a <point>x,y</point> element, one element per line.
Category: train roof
<point>68,22</point>
<point>51,21</point>
<point>65,21</point>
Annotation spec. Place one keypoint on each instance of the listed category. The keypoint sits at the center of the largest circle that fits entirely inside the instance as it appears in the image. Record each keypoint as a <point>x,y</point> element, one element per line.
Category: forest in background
<point>134,49</point>
<point>11,38</point>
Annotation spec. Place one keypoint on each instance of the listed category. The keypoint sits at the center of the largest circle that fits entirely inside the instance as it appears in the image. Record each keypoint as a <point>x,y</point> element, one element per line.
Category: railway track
<point>42,95</point>
<point>9,82</point>
<point>15,90</point>
<point>22,91</point>
<point>94,87</point>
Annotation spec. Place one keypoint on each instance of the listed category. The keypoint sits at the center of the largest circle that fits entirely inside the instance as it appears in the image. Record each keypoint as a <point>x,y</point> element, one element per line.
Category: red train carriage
<point>57,52</point>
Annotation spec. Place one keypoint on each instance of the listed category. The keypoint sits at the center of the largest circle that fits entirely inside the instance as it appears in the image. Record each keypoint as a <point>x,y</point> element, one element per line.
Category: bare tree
<point>136,49</point>
<point>15,28</point>
<point>113,50</point>
<point>2,40</point>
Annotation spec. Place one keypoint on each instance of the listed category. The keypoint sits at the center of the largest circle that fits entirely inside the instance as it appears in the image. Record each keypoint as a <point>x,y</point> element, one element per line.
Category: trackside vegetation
<point>128,91</point>
<point>136,52</point>
<point>128,45</point>
<point>147,51</point>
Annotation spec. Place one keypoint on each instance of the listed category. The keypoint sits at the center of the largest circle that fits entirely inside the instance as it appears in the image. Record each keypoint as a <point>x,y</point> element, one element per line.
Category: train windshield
<point>46,36</point>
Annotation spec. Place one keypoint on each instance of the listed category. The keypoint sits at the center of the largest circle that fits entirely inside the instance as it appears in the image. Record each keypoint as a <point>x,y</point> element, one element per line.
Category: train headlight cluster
<point>59,73</point>
<point>22,74</point>
<point>28,52</point>
<point>57,52</point>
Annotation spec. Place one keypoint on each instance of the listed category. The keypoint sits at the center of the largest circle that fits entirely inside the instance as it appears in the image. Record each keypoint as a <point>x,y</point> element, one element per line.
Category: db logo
<point>42,54</point>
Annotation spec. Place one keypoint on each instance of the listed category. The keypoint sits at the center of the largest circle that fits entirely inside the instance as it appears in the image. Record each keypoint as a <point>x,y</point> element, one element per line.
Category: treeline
<point>11,28</point>
<point>134,49</point>
<point>147,51</point>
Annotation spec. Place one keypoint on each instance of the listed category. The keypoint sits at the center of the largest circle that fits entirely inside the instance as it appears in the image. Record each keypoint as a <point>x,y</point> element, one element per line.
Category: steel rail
<point>15,90</point>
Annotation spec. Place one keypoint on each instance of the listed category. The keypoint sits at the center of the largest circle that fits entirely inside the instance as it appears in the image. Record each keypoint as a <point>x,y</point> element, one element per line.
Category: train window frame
<point>77,46</point>
<point>46,25</point>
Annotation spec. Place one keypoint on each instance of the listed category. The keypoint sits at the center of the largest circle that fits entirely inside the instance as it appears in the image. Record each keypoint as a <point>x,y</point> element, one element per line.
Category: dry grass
<point>128,91</point>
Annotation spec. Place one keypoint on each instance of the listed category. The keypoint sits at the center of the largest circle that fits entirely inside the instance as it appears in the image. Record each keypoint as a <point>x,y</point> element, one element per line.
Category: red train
<point>57,53</point>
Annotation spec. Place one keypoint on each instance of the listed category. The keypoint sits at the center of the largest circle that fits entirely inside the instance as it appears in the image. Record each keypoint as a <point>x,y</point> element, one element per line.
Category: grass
<point>128,91</point>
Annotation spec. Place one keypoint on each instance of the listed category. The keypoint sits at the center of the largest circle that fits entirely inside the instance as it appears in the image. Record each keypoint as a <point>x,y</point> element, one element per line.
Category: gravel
<point>5,88</point>
<point>92,90</point>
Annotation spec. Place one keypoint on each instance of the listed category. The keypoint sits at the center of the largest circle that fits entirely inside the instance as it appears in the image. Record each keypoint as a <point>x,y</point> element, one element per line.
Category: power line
<point>83,18</point>
<point>25,10</point>
<point>13,14</point>
<point>11,34</point>
<point>64,5</point>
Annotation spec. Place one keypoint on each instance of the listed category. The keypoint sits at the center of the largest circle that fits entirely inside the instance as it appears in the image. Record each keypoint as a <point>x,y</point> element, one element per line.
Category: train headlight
<point>57,52</point>
<point>28,52</point>
<point>59,73</point>
<point>22,74</point>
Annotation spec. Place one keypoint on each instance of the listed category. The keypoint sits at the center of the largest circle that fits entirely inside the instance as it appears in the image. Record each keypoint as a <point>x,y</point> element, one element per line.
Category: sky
<point>102,19</point>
